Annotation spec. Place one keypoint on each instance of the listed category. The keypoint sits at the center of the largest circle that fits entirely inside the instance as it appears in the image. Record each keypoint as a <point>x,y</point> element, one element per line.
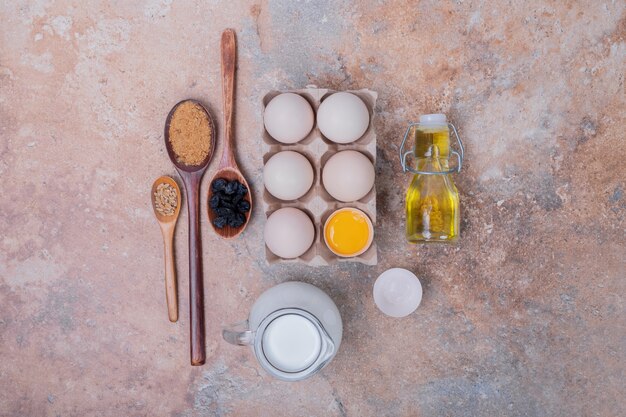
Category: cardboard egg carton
<point>317,203</point>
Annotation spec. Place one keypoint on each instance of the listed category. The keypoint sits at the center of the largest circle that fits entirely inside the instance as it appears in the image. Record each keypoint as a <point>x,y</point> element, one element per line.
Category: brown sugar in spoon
<point>192,175</point>
<point>167,222</point>
<point>228,169</point>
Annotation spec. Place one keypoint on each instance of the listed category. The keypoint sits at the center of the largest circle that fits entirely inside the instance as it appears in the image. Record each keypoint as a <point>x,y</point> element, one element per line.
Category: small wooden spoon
<point>228,166</point>
<point>168,224</point>
<point>192,175</point>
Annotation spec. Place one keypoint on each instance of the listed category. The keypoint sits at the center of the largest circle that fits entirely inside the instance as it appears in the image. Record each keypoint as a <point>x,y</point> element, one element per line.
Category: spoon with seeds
<point>166,204</point>
<point>228,177</point>
<point>190,141</point>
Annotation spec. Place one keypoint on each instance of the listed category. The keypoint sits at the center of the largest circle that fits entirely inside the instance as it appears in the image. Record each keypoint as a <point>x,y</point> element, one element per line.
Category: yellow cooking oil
<point>427,136</point>
<point>432,201</point>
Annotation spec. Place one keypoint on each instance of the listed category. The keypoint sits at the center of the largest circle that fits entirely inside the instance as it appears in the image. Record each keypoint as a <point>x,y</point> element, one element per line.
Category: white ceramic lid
<point>397,292</point>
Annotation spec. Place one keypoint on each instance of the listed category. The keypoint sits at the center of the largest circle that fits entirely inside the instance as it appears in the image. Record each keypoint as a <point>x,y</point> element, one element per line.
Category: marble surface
<point>524,317</point>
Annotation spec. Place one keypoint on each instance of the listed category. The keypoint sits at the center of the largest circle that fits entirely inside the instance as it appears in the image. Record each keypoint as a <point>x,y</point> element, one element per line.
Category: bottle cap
<point>397,292</point>
<point>436,119</point>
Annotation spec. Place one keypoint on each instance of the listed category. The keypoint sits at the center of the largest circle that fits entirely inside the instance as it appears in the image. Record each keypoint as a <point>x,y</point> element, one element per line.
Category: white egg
<point>289,232</point>
<point>288,118</point>
<point>343,117</point>
<point>348,176</point>
<point>288,175</point>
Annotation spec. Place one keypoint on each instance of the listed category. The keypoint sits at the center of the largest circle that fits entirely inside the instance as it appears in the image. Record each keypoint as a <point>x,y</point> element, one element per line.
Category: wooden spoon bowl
<point>170,151</point>
<point>230,173</point>
<point>168,224</point>
<point>228,168</point>
<point>192,176</point>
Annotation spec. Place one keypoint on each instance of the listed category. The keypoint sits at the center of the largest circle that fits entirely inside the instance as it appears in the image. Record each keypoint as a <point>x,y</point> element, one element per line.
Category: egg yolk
<point>347,232</point>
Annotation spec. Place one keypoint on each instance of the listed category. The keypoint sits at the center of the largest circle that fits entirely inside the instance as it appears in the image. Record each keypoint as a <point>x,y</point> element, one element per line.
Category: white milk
<point>291,343</point>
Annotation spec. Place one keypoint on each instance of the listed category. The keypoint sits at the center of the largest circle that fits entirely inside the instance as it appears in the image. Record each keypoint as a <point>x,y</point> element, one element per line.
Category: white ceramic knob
<point>397,292</point>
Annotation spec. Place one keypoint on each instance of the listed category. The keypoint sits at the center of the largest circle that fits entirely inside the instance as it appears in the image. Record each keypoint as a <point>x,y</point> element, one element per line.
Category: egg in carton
<point>317,203</point>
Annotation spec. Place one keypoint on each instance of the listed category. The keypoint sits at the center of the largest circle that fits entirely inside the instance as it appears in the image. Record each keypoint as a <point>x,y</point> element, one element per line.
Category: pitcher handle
<point>238,334</point>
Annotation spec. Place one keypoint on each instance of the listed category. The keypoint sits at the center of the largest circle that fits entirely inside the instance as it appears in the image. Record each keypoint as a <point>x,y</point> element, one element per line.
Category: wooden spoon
<point>168,224</point>
<point>228,166</point>
<point>192,175</point>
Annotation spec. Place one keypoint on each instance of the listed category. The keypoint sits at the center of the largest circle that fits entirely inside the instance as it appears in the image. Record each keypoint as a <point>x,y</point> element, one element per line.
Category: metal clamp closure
<point>459,155</point>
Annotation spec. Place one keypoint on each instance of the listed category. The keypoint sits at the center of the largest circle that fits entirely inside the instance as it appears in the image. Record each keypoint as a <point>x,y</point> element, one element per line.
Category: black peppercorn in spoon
<point>228,169</point>
<point>192,175</point>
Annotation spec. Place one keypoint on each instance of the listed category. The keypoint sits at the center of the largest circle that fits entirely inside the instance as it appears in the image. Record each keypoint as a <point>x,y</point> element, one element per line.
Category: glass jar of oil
<point>432,200</point>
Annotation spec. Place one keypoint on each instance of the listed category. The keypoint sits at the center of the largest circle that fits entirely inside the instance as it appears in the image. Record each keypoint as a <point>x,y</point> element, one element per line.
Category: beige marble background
<point>524,317</point>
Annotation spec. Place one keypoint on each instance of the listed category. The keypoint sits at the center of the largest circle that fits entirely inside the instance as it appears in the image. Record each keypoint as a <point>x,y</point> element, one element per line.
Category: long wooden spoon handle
<point>170,275</point>
<point>196,286</point>
<point>229,62</point>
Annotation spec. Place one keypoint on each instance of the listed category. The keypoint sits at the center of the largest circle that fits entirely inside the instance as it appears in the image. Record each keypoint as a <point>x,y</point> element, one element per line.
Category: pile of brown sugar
<point>190,134</point>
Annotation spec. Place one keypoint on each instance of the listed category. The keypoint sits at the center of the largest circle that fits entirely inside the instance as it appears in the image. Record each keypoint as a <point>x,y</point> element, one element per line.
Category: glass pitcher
<point>294,330</point>
<point>432,200</point>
